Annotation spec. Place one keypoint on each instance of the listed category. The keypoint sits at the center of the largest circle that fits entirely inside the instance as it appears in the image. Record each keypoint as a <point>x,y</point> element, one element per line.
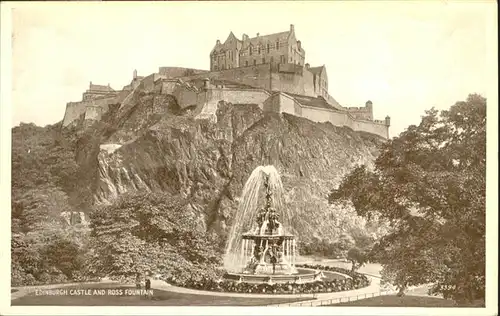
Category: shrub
<point>323,286</point>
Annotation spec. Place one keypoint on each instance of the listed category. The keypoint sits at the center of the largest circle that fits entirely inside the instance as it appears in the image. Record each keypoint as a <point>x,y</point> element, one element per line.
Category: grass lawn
<point>405,301</point>
<point>160,298</point>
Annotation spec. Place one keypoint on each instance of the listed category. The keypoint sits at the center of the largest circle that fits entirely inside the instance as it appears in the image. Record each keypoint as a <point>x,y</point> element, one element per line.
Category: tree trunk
<point>402,290</point>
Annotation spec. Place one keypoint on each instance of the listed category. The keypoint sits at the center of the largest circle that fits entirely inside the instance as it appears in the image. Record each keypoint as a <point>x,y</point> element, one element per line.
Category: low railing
<point>338,300</point>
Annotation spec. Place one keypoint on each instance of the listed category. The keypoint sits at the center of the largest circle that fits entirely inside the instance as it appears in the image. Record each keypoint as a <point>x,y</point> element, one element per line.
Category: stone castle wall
<point>264,77</point>
<point>239,96</point>
<point>75,109</point>
<point>255,76</point>
<point>94,113</point>
<point>363,113</point>
<point>175,72</point>
<point>282,103</point>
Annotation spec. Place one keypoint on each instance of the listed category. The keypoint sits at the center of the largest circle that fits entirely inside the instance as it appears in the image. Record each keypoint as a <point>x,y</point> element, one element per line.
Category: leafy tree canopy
<point>151,233</point>
<point>357,257</point>
<point>429,182</point>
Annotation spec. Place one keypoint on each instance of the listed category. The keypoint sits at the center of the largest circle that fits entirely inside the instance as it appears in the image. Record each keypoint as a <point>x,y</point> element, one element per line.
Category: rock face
<point>153,145</point>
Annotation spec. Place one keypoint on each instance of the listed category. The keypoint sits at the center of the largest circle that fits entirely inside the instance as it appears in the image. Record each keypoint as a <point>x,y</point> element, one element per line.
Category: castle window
<point>264,60</point>
<point>272,59</point>
<point>250,50</point>
<point>246,63</point>
<point>267,48</point>
<point>277,45</point>
<point>283,60</point>
<point>255,62</point>
<point>259,50</point>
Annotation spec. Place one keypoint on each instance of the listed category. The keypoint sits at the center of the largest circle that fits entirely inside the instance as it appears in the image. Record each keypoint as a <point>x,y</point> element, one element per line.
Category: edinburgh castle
<point>267,70</point>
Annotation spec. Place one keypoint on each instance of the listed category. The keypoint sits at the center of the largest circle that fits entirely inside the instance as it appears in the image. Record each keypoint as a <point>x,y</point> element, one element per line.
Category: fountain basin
<point>303,275</point>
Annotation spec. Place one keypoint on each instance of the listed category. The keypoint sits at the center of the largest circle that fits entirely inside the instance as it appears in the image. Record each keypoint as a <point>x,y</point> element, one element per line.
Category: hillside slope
<point>153,145</point>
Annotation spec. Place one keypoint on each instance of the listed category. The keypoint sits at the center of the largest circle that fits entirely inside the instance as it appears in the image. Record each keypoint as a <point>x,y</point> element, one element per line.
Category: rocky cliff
<point>152,144</point>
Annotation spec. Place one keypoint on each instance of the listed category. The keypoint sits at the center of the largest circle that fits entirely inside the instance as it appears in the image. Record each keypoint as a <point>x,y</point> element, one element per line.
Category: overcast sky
<point>404,57</point>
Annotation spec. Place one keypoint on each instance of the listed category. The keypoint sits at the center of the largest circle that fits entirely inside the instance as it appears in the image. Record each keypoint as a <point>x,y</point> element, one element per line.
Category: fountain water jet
<point>247,211</point>
<point>261,246</point>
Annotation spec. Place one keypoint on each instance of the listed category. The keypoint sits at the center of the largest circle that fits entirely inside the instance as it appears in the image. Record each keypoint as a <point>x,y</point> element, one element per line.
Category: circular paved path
<point>373,288</point>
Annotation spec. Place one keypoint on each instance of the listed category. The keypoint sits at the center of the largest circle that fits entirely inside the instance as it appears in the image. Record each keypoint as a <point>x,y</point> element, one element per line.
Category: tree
<point>65,256</point>
<point>357,258</point>
<point>344,243</point>
<point>150,233</point>
<point>43,175</point>
<point>429,182</point>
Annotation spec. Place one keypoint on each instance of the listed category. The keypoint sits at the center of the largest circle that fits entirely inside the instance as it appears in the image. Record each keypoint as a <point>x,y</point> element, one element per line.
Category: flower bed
<point>356,281</point>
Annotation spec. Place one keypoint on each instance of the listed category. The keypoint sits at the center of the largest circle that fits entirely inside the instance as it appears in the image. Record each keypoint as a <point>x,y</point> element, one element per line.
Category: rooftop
<point>100,88</point>
<point>266,39</point>
<point>318,102</point>
<point>316,70</point>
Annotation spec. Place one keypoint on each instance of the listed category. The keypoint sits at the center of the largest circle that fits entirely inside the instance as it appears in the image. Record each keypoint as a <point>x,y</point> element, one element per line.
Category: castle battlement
<point>266,70</point>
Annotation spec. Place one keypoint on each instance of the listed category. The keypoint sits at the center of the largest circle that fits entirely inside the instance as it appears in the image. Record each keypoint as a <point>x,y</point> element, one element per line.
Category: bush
<point>44,278</point>
<point>29,279</point>
<point>59,278</point>
<point>326,286</point>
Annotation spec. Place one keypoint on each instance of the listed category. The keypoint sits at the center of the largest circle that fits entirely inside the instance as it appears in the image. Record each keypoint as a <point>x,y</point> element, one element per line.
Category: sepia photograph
<point>249,157</point>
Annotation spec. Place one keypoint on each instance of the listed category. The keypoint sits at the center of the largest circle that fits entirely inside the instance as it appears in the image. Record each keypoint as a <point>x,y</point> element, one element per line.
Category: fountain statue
<point>266,249</point>
<point>261,246</point>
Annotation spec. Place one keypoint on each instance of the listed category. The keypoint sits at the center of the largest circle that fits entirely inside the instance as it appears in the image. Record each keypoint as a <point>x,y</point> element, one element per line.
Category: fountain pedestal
<point>267,251</point>
<point>268,254</point>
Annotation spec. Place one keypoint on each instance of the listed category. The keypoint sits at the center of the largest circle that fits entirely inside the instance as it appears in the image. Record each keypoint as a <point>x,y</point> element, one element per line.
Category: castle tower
<point>135,74</point>
<point>388,120</point>
<point>369,107</point>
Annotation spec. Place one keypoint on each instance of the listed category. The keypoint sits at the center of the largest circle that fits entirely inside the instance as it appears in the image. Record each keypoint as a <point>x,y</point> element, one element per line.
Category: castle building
<point>278,48</point>
<point>267,70</point>
<point>98,91</point>
<point>281,51</point>
<point>320,80</point>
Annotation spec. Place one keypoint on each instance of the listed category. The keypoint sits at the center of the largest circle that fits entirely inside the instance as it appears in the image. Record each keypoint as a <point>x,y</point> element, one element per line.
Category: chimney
<point>258,34</point>
<point>244,37</point>
<point>206,83</point>
<point>218,42</point>
<point>307,66</point>
<point>387,120</point>
<point>368,104</point>
<point>292,28</point>
<point>135,74</point>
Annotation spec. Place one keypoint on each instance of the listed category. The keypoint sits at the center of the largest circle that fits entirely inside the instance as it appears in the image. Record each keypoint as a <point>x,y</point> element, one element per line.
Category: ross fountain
<point>267,252</point>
